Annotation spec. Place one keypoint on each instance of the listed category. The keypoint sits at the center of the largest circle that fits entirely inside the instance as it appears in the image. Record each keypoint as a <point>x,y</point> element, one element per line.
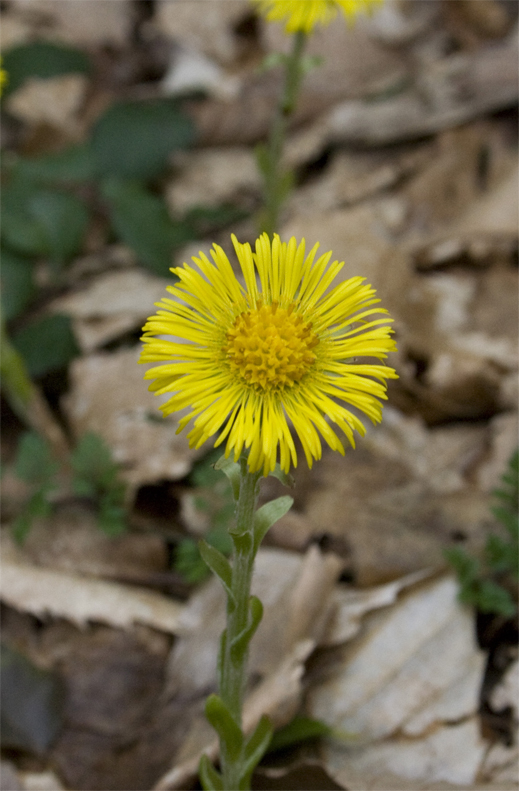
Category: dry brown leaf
<point>71,541</point>
<point>75,23</point>
<point>405,691</point>
<point>446,93</point>
<point>503,442</point>
<point>405,668</point>
<point>308,773</point>
<point>191,70</point>
<point>110,397</point>
<point>448,755</point>
<point>110,305</point>
<point>40,781</point>
<point>79,599</point>
<point>357,237</point>
<point>207,28</point>
<point>442,456</point>
<point>54,101</point>
<point>501,763</point>
<point>211,177</point>
<point>9,777</point>
<point>351,605</point>
<point>394,522</point>
<point>488,223</point>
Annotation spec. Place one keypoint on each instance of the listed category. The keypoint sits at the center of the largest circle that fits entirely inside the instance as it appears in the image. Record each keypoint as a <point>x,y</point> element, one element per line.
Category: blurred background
<point>129,130</point>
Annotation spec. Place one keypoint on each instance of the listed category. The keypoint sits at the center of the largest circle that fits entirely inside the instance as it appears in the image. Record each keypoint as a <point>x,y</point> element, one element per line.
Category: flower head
<point>249,360</point>
<point>306,14</point>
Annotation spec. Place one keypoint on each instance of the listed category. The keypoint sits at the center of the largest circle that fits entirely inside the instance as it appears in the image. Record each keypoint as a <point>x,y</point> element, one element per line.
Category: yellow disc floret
<point>271,347</point>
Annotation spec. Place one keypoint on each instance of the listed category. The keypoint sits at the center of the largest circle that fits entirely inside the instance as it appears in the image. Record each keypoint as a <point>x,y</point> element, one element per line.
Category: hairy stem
<point>233,669</point>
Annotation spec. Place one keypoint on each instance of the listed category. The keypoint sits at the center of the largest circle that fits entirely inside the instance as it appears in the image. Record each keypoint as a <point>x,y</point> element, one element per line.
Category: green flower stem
<point>26,399</point>
<point>275,182</point>
<point>233,669</point>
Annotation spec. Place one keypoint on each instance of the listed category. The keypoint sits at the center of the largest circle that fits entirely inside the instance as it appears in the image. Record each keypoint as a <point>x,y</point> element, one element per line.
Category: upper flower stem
<point>275,180</point>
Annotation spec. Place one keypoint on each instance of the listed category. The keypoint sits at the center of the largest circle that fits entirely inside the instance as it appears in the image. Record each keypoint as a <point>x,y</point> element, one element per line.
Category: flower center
<point>271,347</point>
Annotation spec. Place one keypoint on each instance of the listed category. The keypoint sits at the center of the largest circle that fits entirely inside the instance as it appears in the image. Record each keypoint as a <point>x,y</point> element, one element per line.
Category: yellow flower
<point>306,14</point>
<point>249,360</point>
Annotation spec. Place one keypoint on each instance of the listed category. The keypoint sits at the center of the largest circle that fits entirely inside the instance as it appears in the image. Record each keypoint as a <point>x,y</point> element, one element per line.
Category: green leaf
<point>141,220</point>
<point>92,460</point>
<point>210,779</point>
<point>134,139</point>
<point>220,659</point>
<point>112,518</point>
<point>72,165</point>
<point>501,555</point>
<point>18,285</point>
<point>285,185</point>
<point>466,568</point>
<point>493,598</point>
<point>188,561</point>
<point>42,222</point>
<point>38,506</point>
<point>47,344</point>
<point>34,462</point>
<point>219,565</point>
<point>243,542</point>
<point>508,519</point>
<point>240,643</point>
<point>262,155</point>
<point>224,724</point>
<point>285,477</point>
<point>267,515</point>
<point>31,704</point>
<point>255,748</point>
<point>204,472</point>
<point>298,730</point>
<point>20,229</point>
<point>231,469</point>
<point>219,538</point>
<point>272,61</point>
<point>64,220</point>
<point>42,59</point>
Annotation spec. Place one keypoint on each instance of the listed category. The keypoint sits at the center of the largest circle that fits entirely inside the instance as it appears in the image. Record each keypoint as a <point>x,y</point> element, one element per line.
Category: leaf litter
<point>433,223</point>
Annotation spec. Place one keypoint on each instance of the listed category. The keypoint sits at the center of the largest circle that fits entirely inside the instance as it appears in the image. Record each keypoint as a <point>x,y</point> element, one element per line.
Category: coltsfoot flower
<point>306,14</point>
<point>251,360</point>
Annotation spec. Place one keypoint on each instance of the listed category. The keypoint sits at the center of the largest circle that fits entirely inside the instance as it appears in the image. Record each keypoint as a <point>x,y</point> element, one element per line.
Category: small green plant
<point>482,581</point>
<point>213,495</point>
<point>95,476</point>
<point>34,465</point>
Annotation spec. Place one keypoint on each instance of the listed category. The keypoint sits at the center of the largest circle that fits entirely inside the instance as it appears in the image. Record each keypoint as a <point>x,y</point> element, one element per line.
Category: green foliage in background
<point>300,729</point>
<point>48,201</point>
<point>46,344</point>
<point>34,465</point>
<point>95,477</point>
<point>213,496</point>
<point>482,582</point>
<point>41,59</point>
